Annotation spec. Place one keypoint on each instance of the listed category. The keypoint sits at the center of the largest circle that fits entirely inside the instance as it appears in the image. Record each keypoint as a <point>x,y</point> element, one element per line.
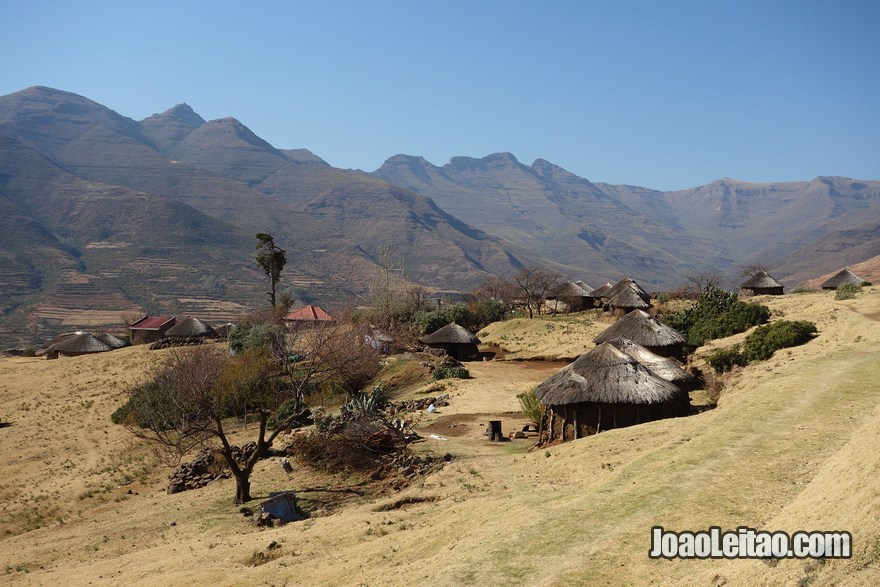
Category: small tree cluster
<point>762,343</point>
<point>535,285</point>
<point>474,315</point>
<point>716,314</point>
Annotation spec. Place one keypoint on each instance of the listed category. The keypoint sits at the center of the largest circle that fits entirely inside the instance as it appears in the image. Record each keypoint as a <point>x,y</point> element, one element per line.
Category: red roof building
<point>309,314</point>
<point>150,328</point>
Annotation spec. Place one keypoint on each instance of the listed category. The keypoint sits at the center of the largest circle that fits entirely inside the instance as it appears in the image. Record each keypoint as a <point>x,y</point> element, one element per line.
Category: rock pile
<point>405,467</point>
<point>206,468</point>
<point>416,405</point>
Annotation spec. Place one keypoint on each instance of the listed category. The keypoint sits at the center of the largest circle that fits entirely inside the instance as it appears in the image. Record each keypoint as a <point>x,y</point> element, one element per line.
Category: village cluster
<point>636,373</point>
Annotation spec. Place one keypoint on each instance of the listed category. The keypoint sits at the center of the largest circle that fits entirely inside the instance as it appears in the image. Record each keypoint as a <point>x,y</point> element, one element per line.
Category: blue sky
<point>662,94</point>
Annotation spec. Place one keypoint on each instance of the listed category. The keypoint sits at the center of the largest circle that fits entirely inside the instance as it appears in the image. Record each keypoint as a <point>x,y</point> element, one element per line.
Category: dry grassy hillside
<point>794,444</point>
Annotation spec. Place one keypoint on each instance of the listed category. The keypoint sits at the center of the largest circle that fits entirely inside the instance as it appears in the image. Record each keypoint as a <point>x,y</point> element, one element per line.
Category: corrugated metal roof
<point>283,506</point>
<point>151,322</point>
<point>309,313</point>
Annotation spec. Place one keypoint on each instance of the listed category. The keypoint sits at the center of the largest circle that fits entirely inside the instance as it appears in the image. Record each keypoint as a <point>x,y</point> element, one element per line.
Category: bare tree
<point>394,298</point>
<point>751,268</point>
<point>703,280</point>
<point>316,354</point>
<point>497,288</point>
<point>535,284</point>
<point>186,403</point>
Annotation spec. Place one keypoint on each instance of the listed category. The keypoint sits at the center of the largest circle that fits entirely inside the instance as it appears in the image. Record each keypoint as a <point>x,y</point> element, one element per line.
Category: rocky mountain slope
<point>195,182</point>
<point>104,214</point>
<point>799,229</point>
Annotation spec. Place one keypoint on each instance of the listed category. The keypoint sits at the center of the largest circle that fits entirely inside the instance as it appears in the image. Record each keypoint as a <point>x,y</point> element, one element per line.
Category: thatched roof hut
<point>588,291</point>
<point>113,341</point>
<point>457,341</point>
<point>762,284</point>
<point>78,344</point>
<point>605,388</point>
<point>573,296</point>
<point>191,328</point>
<point>59,338</point>
<point>645,330</point>
<point>624,284</point>
<point>842,277</point>
<point>602,290</point>
<point>628,298</point>
<point>663,367</point>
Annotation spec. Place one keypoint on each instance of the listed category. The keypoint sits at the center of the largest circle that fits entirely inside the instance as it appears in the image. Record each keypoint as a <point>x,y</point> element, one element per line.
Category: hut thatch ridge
<point>451,334</point>
<point>606,375</point>
<point>112,341</point>
<point>663,367</point>
<point>59,338</point>
<point>79,343</point>
<point>602,290</point>
<point>641,328</point>
<point>842,277</point>
<point>624,284</point>
<point>574,290</point>
<point>760,280</point>
<point>630,296</point>
<point>190,327</point>
<point>584,287</point>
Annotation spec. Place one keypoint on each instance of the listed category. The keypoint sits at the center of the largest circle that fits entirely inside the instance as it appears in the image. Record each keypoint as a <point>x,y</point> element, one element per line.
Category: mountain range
<point>103,216</point>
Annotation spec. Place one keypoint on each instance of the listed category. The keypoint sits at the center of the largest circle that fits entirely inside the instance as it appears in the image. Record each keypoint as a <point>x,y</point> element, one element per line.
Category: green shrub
<point>451,373</point>
<point>287,409</point>
<point>802,289</point>
<point>242,338</point>
<point>145,408</point>
<point>473,316</point>
<point>362,401</point>
<point>29,351</point>
<point>723,360</point>
<point>122,415</point>
<point>530,405</point>
<point>716,314</point>
<point>847,291</point>
<point>765,340</point>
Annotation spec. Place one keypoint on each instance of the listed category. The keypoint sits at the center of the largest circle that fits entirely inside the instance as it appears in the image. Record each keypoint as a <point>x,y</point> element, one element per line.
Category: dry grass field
<point>793,444</point>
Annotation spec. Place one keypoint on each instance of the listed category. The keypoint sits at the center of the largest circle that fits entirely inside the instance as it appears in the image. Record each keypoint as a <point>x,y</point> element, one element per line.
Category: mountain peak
<point>401,159</point>
<point>182,113</point>
<point>503,157</point>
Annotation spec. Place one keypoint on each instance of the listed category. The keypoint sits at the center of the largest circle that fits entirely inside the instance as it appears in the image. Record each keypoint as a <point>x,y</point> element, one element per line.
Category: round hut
<point>630,297</point>
<point>55,340</point>
<point>574,296</point>
<point>113,342</point>
<point>191,328</point>
<point>78,344</point>
<point>762,284</point>
<point>663,367</point>
<point>601,292</point>
<point>842,277</point>
<point>603,389</point>
<point>645,330</point>
<point>458,342</point>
